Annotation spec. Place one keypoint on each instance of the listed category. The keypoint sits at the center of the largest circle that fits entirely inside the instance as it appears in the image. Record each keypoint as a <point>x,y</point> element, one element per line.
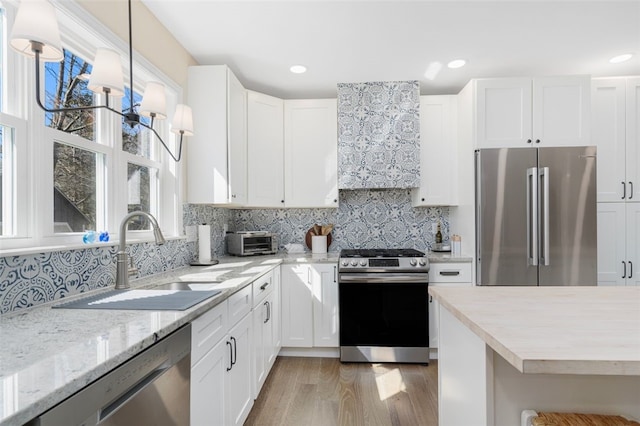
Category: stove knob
<point>363,262</point>
<point>413,262</point>
<point>354,263</point>
<point>345,263</point>
<point>422,262</point>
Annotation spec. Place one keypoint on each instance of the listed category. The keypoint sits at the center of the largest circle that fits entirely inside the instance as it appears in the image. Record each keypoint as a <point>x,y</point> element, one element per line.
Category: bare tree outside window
<point>66,86</point>
<point>74,169</point>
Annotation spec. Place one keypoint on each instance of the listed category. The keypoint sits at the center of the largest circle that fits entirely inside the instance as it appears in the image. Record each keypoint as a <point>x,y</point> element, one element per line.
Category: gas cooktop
<point>381,253</point>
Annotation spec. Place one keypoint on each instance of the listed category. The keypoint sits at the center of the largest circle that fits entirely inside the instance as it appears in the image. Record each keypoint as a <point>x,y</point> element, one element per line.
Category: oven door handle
<point>383,278</point>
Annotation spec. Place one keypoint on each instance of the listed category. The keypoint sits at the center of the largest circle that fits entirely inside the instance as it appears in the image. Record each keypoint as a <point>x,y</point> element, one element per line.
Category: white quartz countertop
<point>556,330</point>
<point>48,354</point>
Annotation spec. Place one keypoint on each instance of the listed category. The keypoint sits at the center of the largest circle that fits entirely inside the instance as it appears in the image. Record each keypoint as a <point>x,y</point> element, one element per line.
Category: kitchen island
<point>506,349</point>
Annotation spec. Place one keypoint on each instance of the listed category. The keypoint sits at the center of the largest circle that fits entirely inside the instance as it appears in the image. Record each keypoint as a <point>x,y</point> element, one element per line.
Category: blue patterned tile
<point>379,135</point>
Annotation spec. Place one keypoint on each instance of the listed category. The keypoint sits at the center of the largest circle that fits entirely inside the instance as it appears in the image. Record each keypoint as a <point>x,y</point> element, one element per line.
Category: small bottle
<point>438,235</point>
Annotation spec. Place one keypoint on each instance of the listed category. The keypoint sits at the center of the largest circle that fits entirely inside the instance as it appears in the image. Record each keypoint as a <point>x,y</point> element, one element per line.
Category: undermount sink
<point>186,285</point>
<point>174,296</point>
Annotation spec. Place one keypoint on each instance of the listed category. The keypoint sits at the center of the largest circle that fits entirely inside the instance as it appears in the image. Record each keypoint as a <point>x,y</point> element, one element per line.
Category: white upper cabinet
<point>311,153</point>
<point>615,116</point>
<point>216,153</point>
<point>545,111</point>
<point>438,152</point>
<point>503,112</point>
<point>633,138</point>
<point>265,141</point>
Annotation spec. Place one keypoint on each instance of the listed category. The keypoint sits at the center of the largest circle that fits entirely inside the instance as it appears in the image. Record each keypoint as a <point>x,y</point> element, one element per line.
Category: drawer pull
<point>449,273</point>
<point>265,285</point>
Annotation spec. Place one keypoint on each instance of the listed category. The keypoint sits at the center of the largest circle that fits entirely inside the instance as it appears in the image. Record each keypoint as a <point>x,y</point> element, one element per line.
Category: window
<point>78,170</point>
<point>142,184</point>
<point>6,180</point>
<point>77,173</point>
<point>66,87</point>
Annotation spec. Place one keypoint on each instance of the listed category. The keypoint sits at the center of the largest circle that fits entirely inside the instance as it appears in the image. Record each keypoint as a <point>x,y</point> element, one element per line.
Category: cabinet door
<point>265,142</point>
<point>503,112</point>
<point>262,343</point>
<point>438,152</point>
<point>207,149</point>
<point>633,138</point>
<point>611,244</point>
<point>633,243</point>
<point>237,134</point>
<point>208,396</point>
<point>297,306</point>
<point>561,111</point>
<point>434,312</point>
<point>238,380</point>
<point>311,153</point>
<point>608,134</point>
<point>325,305</point>
<point>276,313</point>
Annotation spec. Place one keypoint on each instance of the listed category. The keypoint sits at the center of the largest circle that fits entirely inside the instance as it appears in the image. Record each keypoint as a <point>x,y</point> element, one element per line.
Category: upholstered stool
<point>532,418</point>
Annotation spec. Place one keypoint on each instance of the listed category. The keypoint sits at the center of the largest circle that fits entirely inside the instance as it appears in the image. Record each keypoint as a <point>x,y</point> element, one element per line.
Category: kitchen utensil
<point>307,238</point>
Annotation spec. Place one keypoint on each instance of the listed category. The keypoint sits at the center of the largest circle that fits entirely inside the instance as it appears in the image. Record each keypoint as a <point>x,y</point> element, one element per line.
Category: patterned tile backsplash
<point>30,280</point>
<point>379,135</point>
<point>365,218</point>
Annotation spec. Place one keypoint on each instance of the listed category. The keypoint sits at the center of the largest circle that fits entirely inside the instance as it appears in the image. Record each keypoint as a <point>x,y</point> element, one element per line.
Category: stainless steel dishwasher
<point>150,389</point>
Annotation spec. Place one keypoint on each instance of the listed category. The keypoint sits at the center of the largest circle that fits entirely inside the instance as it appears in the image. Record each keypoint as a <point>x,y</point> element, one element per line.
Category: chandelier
<point>35,34</point>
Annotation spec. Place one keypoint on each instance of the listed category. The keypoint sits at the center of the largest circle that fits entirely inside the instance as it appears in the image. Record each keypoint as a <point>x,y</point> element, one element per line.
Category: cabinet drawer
<point>239,305</point>
<point>450,273</point>
<point>262,287</point>
<point>207,330</point>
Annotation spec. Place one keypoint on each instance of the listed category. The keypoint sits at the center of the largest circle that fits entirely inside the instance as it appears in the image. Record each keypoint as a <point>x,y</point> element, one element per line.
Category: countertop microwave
<point>250,243</point>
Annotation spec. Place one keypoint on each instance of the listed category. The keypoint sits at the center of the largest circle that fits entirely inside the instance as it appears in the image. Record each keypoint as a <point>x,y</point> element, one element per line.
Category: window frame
<point>82,33</point>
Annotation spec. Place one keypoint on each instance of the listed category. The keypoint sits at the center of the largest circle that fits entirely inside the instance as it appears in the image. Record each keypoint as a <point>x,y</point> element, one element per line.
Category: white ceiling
<point>359,40</point>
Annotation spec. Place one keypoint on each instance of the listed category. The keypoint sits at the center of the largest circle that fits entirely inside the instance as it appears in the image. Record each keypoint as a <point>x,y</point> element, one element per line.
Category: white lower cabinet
<point>209,360</point>
<point>266,336</point>
<point>444,274</point>
<point>238,380</point>
<point>221,345</point>
<point>310,305</point>
<point>618,244</point>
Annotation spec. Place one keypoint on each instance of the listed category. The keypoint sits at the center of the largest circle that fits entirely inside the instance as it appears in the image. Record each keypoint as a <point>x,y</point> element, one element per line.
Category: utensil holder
<point>318,244</point>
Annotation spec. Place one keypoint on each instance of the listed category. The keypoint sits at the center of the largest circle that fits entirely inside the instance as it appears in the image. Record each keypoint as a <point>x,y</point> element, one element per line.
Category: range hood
<point>379,135</point>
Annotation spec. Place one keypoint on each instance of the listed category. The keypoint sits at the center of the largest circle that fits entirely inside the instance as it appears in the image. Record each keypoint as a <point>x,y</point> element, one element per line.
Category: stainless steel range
<point>384,306</point>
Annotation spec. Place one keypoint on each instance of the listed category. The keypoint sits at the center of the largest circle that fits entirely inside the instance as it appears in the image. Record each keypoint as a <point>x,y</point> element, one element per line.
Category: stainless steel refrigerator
<point>536,216</point>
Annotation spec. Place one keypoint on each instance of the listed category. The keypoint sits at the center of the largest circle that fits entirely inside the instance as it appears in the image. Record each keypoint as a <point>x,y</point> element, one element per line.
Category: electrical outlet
<point>434,227</point>
<point>192,233</point>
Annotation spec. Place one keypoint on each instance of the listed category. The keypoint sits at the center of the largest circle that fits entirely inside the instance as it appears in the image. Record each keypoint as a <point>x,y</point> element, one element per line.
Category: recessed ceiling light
<point>457,63</point>
<point>298,69</point>
<point>620,58</point>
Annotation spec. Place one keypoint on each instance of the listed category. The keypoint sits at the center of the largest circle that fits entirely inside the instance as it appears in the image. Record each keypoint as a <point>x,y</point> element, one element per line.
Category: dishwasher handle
<point>130,393</point>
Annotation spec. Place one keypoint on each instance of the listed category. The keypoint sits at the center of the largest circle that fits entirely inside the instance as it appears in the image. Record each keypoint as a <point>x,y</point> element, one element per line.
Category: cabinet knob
<point>335,200</point>
<point>423,199</point>
<point>282,201</point>
<point>537,140</point>
<point>528,140</point>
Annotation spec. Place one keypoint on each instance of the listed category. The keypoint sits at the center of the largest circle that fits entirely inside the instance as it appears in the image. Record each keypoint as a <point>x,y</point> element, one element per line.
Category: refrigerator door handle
<point>624,269</point>
<point>532,216</point>
<point>544,223</point>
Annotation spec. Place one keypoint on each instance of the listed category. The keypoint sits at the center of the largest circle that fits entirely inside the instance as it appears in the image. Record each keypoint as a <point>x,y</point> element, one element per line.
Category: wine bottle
<point>438,235</point>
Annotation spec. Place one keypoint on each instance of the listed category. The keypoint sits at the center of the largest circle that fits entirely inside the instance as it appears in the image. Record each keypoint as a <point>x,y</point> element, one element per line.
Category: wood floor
<point>325,392</point>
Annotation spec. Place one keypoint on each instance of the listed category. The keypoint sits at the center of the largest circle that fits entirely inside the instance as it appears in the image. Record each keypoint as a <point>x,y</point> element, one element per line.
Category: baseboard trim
<point>311,352</point>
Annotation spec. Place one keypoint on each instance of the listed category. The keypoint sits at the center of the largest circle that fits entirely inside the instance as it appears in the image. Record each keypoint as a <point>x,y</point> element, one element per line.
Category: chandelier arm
<point>54,110</point>
<point>164,144</point>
